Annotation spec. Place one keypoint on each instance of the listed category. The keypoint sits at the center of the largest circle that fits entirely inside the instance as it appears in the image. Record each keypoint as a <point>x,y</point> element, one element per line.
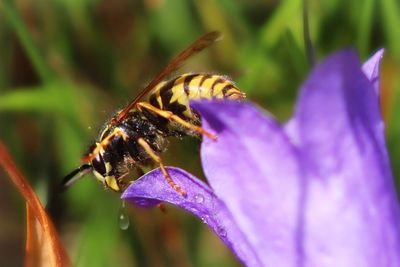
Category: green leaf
<point>288,14</point>
<point>391,21</point>
<point>28,100</point>
<point>365,26</point>
<point>14,18</point>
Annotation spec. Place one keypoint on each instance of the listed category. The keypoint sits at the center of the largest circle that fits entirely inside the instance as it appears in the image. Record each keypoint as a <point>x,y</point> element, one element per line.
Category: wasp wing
<point>197,46</point>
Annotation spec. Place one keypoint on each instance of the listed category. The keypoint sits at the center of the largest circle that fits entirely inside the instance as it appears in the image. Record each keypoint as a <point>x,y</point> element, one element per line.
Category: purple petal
<point>152,188</point>
<point>371,69</point>
<point>317,193</point>
<point>352,214</point>
<point>253,168</point>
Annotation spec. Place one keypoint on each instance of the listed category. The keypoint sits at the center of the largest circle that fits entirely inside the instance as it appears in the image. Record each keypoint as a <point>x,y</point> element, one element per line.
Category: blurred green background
<point>67,65</point>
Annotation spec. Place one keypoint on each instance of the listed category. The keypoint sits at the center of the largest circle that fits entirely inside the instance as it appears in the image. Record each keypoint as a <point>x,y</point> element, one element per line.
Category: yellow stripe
<point>102,135</point>
<point>177,89</point>
<point>233,90</point>
<point>195,91</point>
<point>111,182</point>
<point>235,94</point>
<point>194,87</point>
<point>218,89</point>
<point>157,92</point>
<point>159,101</point>
<point>108,167</point>
<point>206,87</point>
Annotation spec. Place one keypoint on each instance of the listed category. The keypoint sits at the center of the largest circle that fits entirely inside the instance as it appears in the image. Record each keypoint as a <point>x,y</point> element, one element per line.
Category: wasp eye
<point>98,165</point>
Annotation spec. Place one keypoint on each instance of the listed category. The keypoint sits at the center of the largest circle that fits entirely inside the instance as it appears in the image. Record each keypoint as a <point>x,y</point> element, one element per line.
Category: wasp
<point>136,135</point>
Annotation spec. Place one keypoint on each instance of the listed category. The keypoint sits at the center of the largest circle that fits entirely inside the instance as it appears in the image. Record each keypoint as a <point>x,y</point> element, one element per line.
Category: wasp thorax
<point>118,150</point>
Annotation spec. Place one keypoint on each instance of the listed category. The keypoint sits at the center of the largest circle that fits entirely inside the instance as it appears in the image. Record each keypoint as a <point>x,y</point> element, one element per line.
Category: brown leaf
<point>43,246</point>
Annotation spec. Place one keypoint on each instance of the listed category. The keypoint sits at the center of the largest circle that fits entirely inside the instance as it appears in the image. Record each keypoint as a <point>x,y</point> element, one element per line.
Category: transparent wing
<point>197,46</point>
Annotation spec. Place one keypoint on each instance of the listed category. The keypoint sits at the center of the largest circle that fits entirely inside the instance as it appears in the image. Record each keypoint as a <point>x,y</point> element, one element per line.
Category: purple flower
<point>317,191</point>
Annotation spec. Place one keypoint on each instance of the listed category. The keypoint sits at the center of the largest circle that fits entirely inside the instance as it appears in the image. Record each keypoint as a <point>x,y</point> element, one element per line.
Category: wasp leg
<point>171,116</point>
<point>104,143</point>
<point>157,159</point>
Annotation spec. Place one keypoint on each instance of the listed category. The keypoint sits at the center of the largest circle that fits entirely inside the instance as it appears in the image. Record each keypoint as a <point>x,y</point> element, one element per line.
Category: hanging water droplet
<point>123,218</point>
<point>205,219</point>
<point>221,231</point>
<point>199,198</point>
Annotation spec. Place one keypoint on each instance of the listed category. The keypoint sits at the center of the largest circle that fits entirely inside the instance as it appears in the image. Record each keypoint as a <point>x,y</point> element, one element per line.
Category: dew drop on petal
<point>193,210</point>
<point>221,231</point>
<point>140,202</point>
<point>199,198</point>
<point>205,219</point>
<point>123,218</point>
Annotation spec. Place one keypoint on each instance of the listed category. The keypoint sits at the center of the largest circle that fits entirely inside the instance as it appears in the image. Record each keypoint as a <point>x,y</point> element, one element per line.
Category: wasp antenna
<point>74,176</point>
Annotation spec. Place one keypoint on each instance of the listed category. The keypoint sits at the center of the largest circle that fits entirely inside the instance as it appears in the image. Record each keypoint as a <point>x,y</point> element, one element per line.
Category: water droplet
<point>89,128</point>
<point>123,218</point>
<point>141,202</point>
<point>221,231</point>
<point>199,198</point>
<point>205,219</point>
<point>193,210</point>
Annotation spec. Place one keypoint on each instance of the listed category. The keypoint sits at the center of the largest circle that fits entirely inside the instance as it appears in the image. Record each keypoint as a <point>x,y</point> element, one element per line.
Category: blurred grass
<point>66,66</point>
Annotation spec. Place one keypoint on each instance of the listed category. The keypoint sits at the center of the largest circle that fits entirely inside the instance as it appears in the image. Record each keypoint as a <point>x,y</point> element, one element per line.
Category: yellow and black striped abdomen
<point>175,95</point>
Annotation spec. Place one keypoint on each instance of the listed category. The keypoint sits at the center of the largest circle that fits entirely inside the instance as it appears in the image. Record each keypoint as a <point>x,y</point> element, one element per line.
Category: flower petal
<point>352,214</point>
<point>371,69</point>
<point>152,188</point>
<point>253,168</point>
